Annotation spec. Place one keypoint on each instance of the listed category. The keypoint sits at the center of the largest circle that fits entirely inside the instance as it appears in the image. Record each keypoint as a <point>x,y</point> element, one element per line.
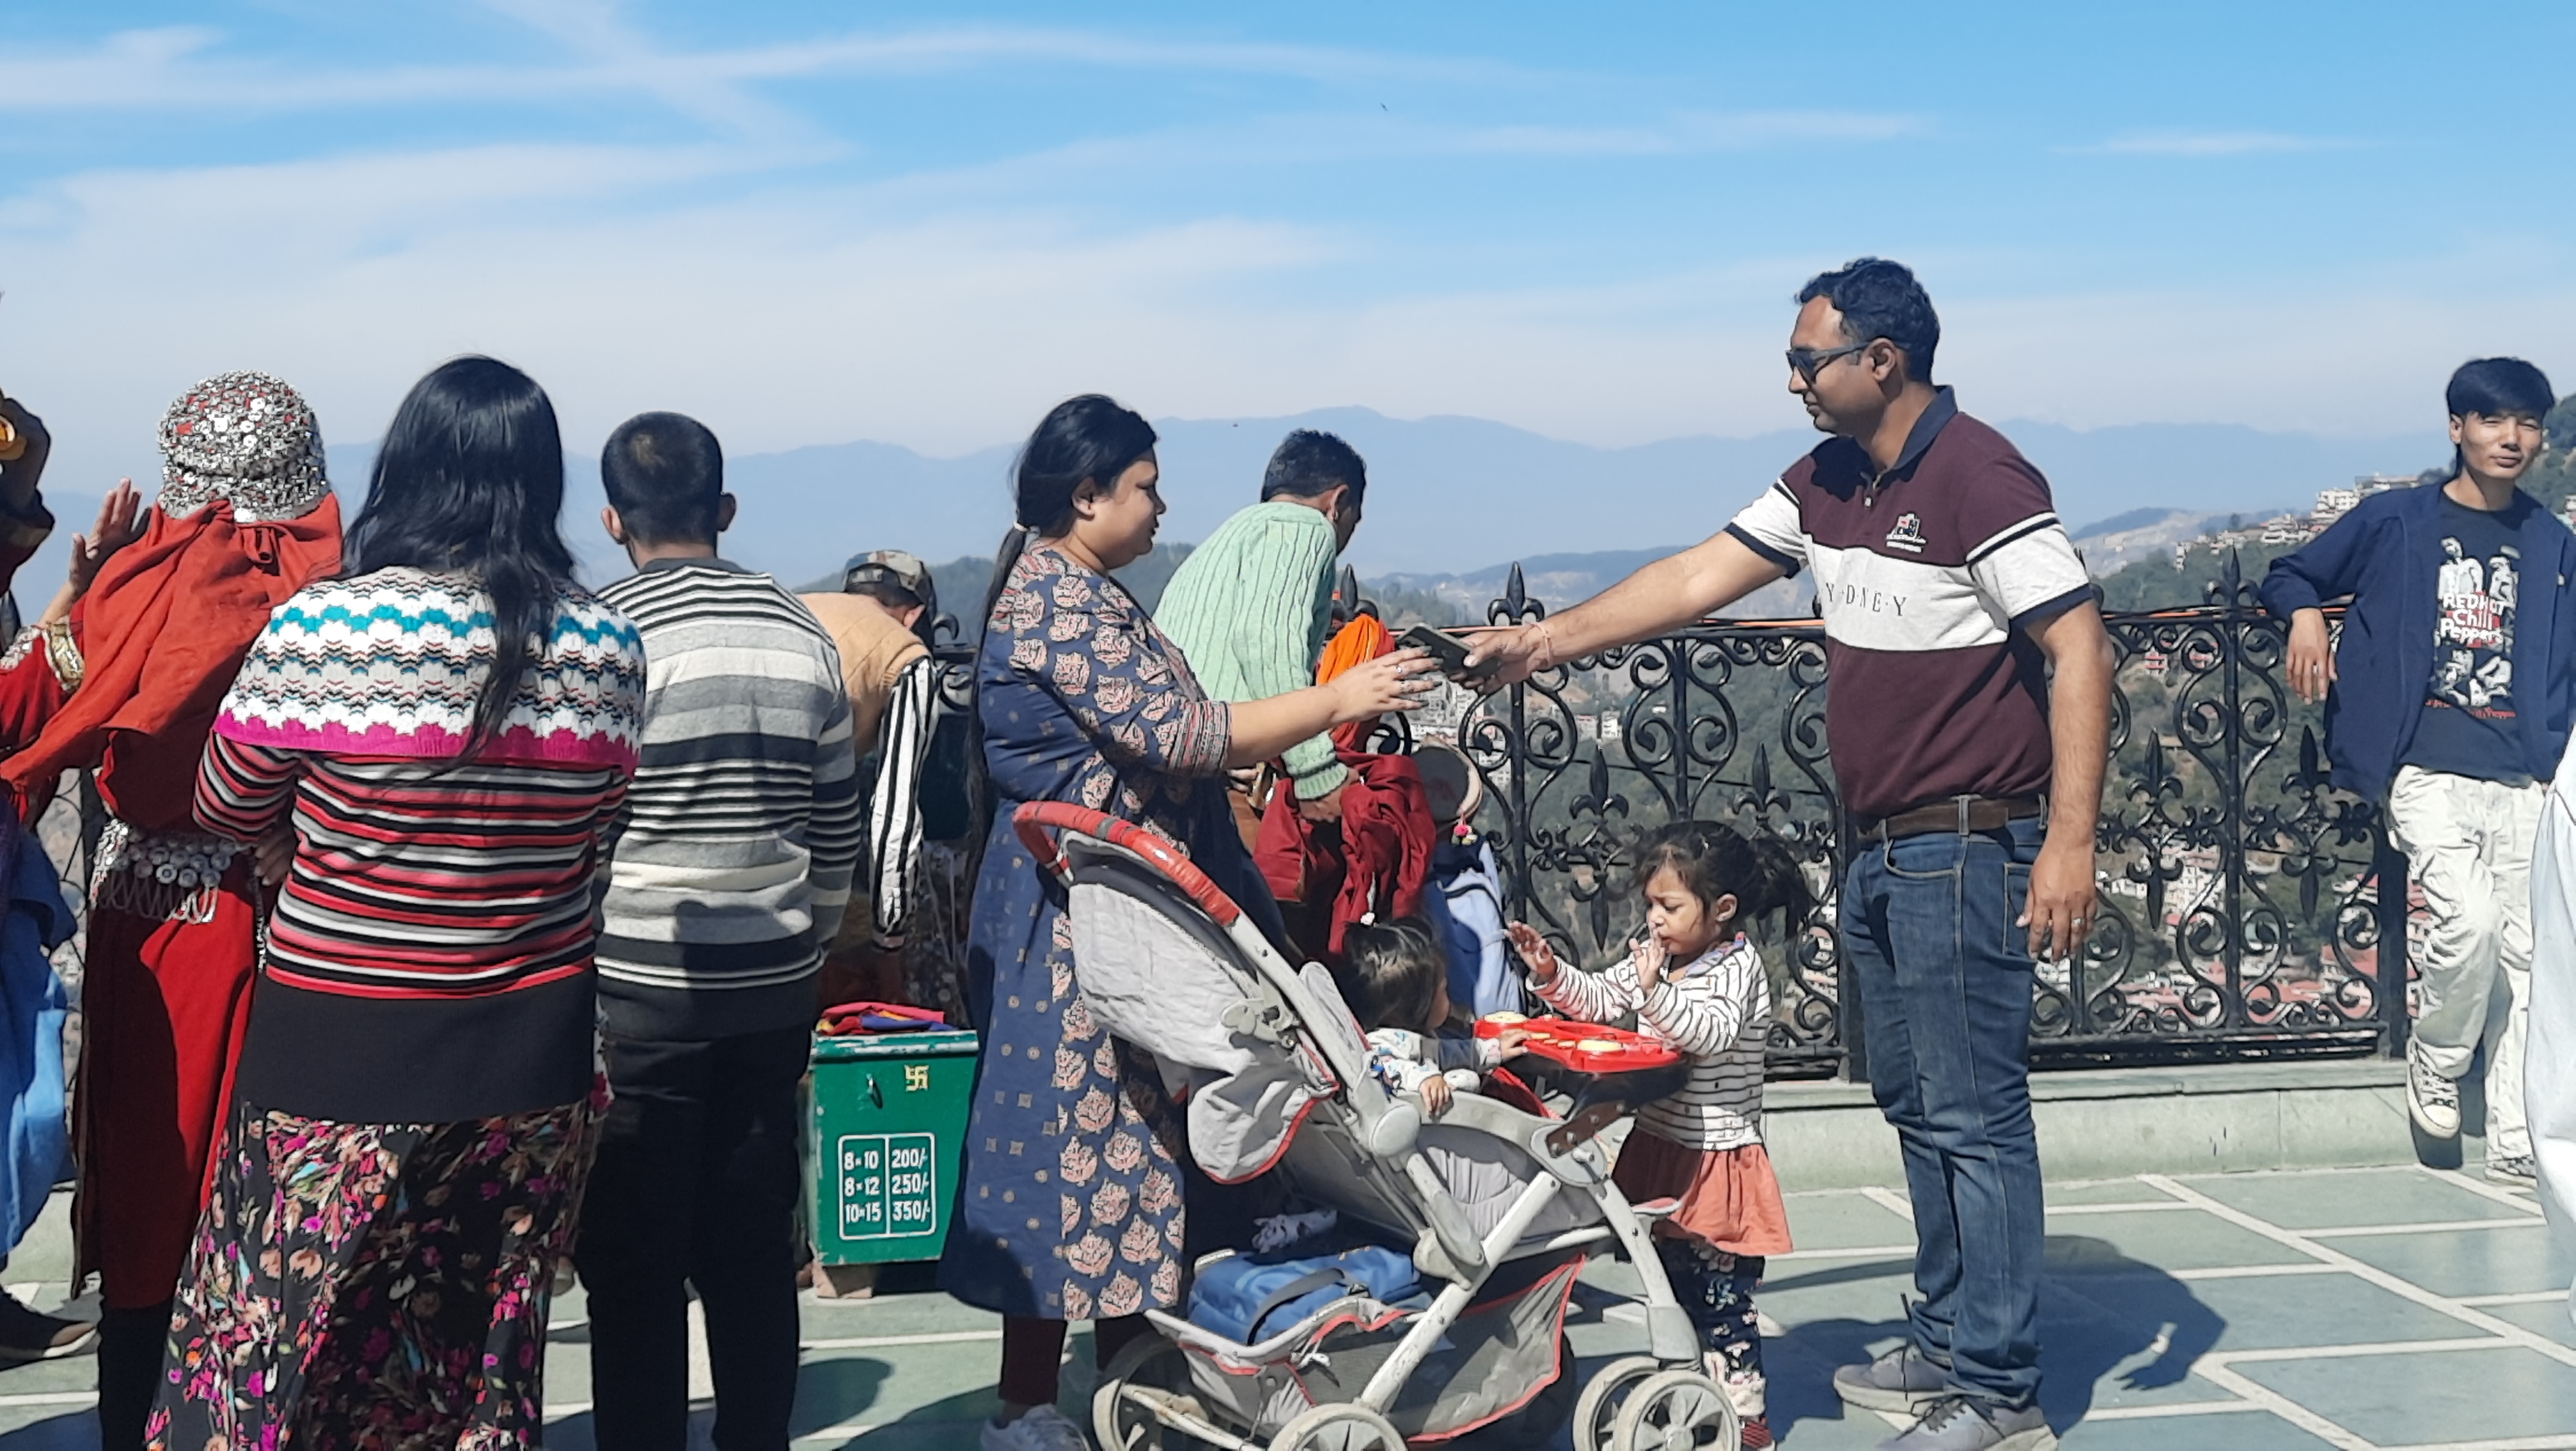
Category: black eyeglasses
<point>1808,361</point>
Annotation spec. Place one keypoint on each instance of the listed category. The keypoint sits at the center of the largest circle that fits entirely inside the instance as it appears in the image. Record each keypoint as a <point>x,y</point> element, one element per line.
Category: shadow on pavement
<point>2099,1309</point>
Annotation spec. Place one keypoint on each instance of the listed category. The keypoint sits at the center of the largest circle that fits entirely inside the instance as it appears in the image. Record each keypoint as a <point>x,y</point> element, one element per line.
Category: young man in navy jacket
<point>2448,698</point>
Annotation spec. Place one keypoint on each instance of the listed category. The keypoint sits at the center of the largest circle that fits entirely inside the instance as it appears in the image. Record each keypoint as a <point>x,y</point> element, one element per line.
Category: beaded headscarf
<point>247,438</point>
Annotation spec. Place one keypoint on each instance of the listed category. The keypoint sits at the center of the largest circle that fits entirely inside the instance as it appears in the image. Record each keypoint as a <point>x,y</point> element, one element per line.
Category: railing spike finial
<point>1515,600</point>
<point>1346,593</point>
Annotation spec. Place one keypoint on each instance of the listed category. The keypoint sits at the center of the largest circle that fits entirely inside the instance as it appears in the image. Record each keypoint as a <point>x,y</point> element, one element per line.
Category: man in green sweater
<point>1250,608</point>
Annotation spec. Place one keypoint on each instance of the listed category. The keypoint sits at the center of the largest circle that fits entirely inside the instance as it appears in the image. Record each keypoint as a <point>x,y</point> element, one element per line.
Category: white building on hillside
<point>2333,504</point>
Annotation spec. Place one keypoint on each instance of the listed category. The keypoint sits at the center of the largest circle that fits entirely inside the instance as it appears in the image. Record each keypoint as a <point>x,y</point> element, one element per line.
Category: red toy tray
<point>1583,1047</point>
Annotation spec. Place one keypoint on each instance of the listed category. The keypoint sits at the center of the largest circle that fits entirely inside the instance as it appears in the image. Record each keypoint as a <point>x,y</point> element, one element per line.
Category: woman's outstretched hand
<point>1395,681</point>
<point>120,523</point>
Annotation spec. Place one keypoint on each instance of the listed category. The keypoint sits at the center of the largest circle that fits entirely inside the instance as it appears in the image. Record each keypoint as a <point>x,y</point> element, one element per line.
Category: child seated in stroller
<point>1395,979</point>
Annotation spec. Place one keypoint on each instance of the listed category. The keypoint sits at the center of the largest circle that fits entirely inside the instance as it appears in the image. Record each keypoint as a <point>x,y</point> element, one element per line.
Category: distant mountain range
<point>1445,492</point>
<point>1456,494</point>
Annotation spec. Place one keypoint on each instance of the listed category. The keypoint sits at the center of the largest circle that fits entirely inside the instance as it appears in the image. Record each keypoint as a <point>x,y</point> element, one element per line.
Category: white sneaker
<point>2432,1100</point>
<point>1044,1428</point>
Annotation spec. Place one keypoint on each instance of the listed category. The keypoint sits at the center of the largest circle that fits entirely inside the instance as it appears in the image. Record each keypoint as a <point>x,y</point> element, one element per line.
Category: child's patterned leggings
<point>1716,1291</point>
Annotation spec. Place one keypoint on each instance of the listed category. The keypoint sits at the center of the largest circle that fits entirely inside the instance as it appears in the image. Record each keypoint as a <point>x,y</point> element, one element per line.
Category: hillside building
<point>2332,504</point>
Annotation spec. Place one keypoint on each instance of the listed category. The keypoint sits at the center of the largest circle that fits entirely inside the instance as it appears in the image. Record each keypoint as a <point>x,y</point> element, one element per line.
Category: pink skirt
<point>1729,1197</point>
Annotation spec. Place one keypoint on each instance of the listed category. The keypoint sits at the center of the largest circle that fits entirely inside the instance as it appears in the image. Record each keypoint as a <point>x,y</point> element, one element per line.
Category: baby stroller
<point>1498,1208</point>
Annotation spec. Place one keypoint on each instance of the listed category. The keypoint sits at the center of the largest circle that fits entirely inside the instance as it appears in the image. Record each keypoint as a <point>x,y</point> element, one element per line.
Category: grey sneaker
<point>1901,1380</point>
<point>2517,1170</point>
<point>2431,1100</point>
<point>1956,1423</point>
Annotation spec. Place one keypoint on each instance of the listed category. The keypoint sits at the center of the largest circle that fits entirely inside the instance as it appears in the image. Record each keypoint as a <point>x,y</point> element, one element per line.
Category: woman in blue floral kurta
<point>1072,1204</point>
<point>1070,1198</point>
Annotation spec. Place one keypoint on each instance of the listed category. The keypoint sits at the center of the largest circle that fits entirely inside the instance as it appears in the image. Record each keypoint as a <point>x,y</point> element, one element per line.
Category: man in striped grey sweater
<point>744,826</point>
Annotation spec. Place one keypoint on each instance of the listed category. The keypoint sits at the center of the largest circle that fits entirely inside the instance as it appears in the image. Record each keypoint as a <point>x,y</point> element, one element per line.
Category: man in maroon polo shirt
<point>1969,719</point>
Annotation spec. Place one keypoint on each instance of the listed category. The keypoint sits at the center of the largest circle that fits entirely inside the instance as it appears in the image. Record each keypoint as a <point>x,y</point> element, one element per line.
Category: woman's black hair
<point>1714,860</point>
<point>470,481</point>
<point>1087,439</point>
<point>1391,973</point>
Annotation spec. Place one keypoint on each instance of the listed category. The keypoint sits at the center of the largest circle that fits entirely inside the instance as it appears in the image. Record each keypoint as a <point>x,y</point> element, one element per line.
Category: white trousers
<point>2549,1085</point>
<point>2468,844</point>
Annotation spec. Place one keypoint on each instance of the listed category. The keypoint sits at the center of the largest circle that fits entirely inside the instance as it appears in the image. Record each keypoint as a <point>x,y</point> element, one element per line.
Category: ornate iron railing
<point>2249,909</point>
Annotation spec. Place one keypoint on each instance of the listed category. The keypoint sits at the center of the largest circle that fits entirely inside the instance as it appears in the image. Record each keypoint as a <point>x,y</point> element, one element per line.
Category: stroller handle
<point>1036,821</point>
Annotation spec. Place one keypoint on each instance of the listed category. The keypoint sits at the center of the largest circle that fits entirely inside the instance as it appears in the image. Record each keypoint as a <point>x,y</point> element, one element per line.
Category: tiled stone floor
<point>2349,1308</point>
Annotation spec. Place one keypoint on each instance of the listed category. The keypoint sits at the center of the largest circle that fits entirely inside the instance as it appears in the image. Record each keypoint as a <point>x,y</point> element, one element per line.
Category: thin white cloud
<point>794,314</point>
<point>2207,143</point>
<point>1684,134</point>
<point>181,69</point>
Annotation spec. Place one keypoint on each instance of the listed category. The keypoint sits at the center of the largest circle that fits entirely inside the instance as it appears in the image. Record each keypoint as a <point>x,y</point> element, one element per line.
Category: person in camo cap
<point>880,622</point>
<point>126,680</point>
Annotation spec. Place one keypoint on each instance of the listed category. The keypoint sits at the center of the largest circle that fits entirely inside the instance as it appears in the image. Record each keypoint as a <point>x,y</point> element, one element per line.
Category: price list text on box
<point>889,1186</point>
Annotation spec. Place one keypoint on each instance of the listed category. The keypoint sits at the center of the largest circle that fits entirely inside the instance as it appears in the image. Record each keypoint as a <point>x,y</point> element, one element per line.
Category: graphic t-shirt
<point>2468,727</point>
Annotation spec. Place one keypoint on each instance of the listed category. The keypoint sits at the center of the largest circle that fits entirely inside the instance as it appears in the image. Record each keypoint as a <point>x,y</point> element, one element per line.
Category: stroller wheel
<point>1596,1415</point>
<point>1146,1375</point>
<point>1677,1410</point>
<point>1338,1428</point>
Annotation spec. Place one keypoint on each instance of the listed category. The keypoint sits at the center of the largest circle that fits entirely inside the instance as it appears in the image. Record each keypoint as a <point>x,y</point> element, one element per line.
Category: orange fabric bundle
<point>164,629</point>
<point>1360,641</point>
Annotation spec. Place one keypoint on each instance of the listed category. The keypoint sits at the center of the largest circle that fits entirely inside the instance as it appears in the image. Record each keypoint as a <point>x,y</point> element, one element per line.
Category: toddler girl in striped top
<point>1696,982</point>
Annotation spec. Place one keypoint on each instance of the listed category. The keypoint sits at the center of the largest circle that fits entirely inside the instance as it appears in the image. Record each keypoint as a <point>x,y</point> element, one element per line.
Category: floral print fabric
<point>373,1285</point>
<point>1071,1187</point>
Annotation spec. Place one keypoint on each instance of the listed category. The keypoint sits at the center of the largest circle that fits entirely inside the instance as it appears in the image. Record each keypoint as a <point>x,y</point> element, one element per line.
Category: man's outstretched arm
<point>1665,595</point>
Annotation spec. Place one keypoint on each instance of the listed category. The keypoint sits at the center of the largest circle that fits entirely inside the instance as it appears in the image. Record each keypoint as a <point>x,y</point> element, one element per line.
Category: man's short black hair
<point>664,473</point>
<point>1310,462</point>
<point>1881,299</point>
<point>2499,388</point>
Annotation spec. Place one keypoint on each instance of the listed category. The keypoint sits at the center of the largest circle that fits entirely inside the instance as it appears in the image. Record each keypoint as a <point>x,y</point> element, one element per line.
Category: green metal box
<point>889,1122</point>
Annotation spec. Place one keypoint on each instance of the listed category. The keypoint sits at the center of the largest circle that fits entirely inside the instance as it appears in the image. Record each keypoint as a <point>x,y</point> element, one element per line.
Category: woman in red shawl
<point>129,685</point>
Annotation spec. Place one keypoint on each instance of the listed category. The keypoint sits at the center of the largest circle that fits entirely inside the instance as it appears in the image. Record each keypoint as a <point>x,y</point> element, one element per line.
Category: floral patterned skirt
<point>374,1285</point>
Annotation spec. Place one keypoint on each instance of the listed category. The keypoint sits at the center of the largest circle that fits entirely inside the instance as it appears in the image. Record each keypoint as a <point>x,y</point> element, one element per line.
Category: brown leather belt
<point>1964,814</point>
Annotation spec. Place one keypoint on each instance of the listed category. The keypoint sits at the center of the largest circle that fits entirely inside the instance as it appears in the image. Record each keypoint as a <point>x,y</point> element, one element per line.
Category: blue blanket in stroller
<point>1248,1297</point>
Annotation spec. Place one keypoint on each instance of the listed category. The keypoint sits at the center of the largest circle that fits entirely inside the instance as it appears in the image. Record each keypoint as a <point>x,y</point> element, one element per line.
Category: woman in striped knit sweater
<point>429,750</point>
<point>1695,981</point>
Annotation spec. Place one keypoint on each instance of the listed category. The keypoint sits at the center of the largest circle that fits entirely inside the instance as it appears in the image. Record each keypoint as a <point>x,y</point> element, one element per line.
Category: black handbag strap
<point>1297,1289</point>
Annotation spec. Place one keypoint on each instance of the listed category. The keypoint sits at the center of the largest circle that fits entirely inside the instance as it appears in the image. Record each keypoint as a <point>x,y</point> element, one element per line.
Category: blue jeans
<point>1945,983</point>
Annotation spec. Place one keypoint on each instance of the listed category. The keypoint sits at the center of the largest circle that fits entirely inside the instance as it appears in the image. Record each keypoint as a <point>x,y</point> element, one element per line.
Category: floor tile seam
<point>47,1398</point>
<point>2246,1387</point>
<point>1889,1200</point>
<point>2166,1412</point>
<point>2143,1206</point>
<point>2261,1353</point>
<point>2435,1226</point>
<point>895,1342</point>
<point>1880,1251</point>
<point>2250,1272</point>
<point>2518,1297</point>
<point>2555,1441</point>
<point>2394,1284</point>
<point>2482,1189</point>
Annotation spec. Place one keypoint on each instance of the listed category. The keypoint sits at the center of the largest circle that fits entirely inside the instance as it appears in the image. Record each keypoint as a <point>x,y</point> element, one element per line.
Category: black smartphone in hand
<point>1446,648</point>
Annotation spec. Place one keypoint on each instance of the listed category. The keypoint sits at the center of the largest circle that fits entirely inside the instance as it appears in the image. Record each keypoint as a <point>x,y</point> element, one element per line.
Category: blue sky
<point>810,223</point>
